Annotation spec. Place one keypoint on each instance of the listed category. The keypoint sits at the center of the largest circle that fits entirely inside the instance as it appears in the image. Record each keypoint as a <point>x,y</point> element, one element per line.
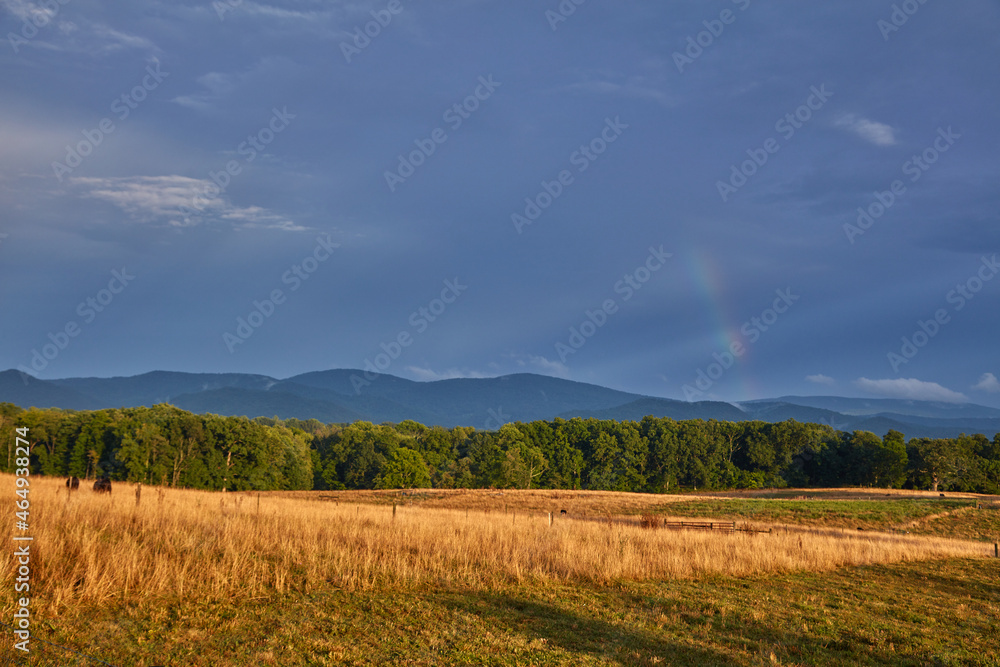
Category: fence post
<point>996,550</point>
<point>394,511</point>
<point>138,493</point>
<point>550,518</point>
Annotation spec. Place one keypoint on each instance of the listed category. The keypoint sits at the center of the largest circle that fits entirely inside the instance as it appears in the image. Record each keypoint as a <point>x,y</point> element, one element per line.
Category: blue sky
<point>660,197</point>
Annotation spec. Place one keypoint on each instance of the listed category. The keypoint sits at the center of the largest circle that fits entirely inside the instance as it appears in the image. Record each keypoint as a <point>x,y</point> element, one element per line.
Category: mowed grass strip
<point>868,514</point>
<point>929,613</point>
<point>970,523</point>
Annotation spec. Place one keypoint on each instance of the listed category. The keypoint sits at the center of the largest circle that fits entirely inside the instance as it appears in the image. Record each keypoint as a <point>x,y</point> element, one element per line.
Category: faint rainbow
<point>711,290</point>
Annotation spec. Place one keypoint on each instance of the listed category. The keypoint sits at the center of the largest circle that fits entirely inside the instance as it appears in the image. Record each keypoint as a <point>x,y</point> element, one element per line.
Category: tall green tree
<point>936,463</point>
<point>405,469</point>
<point>889,464</point>
<point>662,470</point>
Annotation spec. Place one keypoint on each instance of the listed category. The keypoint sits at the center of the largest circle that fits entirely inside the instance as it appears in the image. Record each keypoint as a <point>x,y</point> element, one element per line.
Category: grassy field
<point>870,514</point>
<point>929,613</point>
<point>578,503</point>
<point>967,523</point>
<point>196,578</point>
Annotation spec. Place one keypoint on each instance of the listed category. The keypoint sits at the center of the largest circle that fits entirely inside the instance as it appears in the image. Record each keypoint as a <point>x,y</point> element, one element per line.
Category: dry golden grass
<point>94,549</point>
<point>579,503</point>
<point>601,503</point>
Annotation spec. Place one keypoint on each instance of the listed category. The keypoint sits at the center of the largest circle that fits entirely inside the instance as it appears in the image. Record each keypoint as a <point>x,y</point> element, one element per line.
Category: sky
<point>725,200</point>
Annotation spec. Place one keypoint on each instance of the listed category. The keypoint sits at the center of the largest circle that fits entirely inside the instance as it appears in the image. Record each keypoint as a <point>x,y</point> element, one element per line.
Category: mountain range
<point>343,395</point>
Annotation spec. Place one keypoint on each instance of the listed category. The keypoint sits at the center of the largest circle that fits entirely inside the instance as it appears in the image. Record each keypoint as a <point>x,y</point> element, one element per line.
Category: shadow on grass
<point>685,626</point>
<point>579,634</point>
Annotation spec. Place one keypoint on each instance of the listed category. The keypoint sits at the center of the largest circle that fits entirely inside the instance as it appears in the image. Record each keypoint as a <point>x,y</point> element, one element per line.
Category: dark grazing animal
<point>103,485</point>
<point>73,483</point>
<point>562,511</point>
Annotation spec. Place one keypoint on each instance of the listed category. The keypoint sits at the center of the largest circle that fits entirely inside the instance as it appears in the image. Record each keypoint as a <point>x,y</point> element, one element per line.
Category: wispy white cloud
<point>217,86</point>
<point>326,20</point>
<point>988,383</point>
<point>821,379</point>
<point>608,83</point>
<point>871,131</point>
<point>540,364</point>
<point>910,388</point>
<point>177,201</point>
<point>282,13</point>
<point>111,40</point>
<point>512,363</point>
<point>632,90</point>
<point>80,36</point>
<point>429,375</point>
<point>325,13</point>
<point>29,11</point>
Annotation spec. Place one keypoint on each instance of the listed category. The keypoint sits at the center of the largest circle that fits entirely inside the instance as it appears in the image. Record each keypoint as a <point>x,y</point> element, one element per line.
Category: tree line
<point>165,445</point>
<point>161,445</point>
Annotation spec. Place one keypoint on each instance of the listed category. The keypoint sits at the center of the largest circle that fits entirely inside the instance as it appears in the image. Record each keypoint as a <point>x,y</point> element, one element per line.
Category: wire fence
<point>42,653</point>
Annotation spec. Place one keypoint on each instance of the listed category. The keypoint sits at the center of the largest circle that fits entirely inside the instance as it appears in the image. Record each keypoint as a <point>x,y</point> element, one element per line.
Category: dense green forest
<point>168,446</point>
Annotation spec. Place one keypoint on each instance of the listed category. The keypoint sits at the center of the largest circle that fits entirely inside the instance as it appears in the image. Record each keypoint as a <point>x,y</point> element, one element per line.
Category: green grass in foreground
<point>931,613</point>
<point>869,514</point>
